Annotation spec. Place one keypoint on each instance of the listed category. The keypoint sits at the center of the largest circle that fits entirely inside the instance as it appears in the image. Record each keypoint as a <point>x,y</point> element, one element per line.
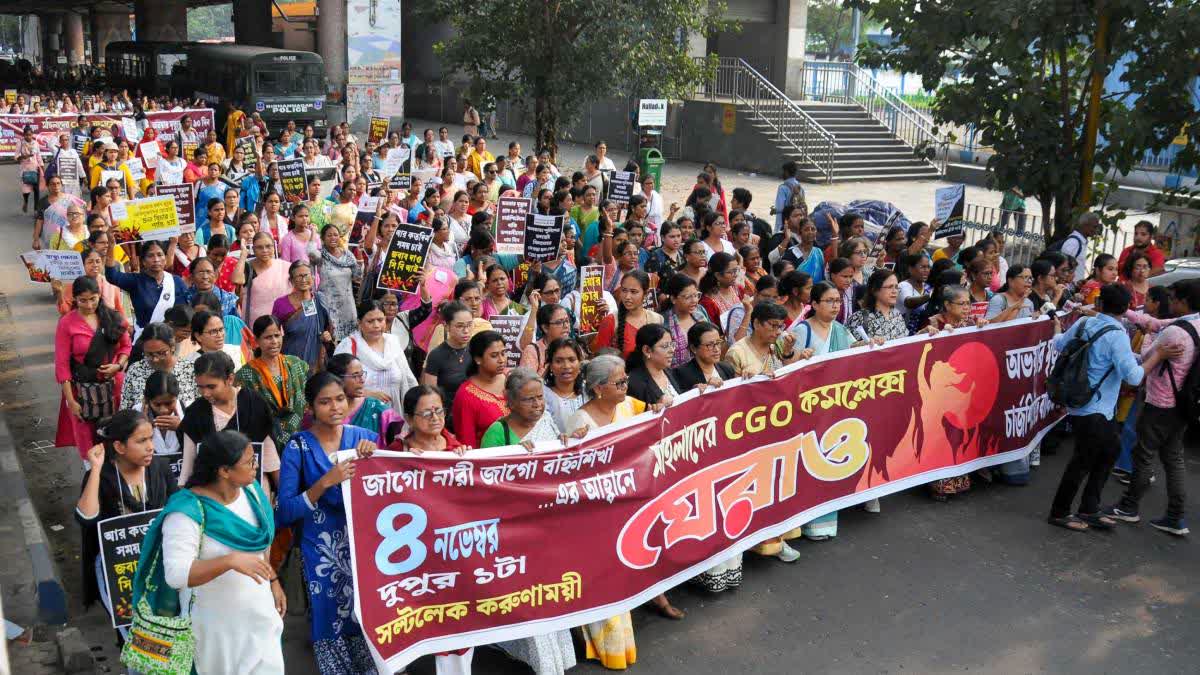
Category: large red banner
<point>450,552</point>
<point>48,127</point>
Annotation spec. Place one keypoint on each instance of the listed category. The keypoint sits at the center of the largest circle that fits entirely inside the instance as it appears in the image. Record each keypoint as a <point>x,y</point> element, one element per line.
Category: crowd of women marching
<point>264,326</point>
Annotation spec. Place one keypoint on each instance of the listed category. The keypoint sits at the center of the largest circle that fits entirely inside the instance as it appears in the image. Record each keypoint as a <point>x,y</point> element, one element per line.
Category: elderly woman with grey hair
<point>605,383</point>
<point>528,421</point>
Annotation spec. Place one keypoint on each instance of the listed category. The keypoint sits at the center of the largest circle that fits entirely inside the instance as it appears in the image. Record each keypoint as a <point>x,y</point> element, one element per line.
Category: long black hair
<point>478,347</point>
<point>647,336</point>
<point>643,280</point>
<point>109,320</point>
<point>118,428</point>
<point>218,450</point>
<point>717,264</point>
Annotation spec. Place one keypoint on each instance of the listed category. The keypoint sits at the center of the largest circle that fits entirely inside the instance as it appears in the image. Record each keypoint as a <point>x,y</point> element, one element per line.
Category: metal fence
<point>1023,239</point>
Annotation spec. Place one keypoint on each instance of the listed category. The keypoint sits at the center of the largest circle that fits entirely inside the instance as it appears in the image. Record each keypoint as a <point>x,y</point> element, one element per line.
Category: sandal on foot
<point>1098,521</point>
<point>1069,523</point>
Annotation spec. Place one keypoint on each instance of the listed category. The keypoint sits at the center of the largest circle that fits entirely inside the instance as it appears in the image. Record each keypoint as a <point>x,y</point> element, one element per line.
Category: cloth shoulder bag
<point>162,645</point>
<point>96,397</point>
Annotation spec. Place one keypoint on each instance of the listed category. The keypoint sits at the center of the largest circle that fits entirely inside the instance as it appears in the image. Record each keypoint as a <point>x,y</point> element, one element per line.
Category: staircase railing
<point>736,80</point>
<point>842,82</point>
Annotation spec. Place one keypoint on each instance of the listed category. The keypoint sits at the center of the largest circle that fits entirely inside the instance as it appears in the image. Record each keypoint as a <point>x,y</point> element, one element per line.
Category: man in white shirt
<point>1076,244</point>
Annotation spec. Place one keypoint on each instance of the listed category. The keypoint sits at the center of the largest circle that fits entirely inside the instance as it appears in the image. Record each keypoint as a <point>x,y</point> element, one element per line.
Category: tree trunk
<point>1046,199</point>
<point>545,127</point>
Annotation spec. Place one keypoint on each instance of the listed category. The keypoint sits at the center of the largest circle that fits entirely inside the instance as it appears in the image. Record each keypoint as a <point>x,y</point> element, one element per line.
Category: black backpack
<point>1187,397</point>
<point>1068,383</point>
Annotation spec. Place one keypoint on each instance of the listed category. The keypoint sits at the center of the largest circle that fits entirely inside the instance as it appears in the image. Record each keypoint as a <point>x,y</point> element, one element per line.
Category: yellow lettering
<point>843,452</point>
<point>729,432</point>
<point>756,419</point>
<point>776,419</point>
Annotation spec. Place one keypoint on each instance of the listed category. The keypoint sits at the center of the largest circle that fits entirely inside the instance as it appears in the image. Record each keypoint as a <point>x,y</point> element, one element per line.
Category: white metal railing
<point>843,82</point>
<point>737,80</point>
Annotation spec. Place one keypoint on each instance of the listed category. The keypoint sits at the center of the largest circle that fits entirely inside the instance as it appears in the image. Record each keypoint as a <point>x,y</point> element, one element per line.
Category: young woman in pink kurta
<point>72,340</point>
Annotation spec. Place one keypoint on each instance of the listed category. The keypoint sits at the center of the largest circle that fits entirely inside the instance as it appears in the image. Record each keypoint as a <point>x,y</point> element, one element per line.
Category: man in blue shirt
<point>1097,438</point>
<point>783,196</point>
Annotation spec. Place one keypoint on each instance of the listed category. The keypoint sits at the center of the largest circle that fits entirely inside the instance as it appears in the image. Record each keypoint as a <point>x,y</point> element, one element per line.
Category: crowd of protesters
<point>264,325</point>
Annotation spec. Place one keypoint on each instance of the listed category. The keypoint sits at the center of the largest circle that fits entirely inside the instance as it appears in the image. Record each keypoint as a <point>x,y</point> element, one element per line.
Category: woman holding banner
<point>310,494</point>
<point>124,478</point>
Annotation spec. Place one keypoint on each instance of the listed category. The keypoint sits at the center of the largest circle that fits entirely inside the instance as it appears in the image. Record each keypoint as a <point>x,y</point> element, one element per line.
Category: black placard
<point>543,235</point>
<point>120,547</point>
<point>620,186</point>
<point>405,258</point>
<point>293,180</point>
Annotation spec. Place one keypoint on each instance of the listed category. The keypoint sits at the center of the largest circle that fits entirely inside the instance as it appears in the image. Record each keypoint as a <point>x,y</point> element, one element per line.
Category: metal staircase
<point>847,128</point>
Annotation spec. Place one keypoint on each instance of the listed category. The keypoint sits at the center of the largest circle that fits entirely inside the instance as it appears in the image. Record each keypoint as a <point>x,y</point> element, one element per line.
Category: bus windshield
<point>298,80</point>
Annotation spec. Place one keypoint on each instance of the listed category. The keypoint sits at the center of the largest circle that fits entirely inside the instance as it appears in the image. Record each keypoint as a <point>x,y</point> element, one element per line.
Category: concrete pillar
<point>164,20</point>
<point>31,38</point>
<point>791,29</point>
<point>331,45</point>
<point>51,39</point>
<point>73,38</point>
<point>252,23</point>
<point>108,28</point>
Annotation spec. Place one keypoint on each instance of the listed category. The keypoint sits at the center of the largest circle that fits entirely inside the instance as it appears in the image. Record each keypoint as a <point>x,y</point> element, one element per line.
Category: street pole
<point>1092,122</point>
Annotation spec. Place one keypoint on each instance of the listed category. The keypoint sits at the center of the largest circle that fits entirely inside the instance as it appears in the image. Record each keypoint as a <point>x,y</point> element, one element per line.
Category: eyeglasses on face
<point>432,413</point>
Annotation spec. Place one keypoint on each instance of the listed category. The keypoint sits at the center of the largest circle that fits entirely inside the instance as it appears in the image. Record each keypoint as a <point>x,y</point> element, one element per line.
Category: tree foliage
<point>562,55</point>
<point>1024,70</point>
<point>830,25</point>
<point>214,22</point>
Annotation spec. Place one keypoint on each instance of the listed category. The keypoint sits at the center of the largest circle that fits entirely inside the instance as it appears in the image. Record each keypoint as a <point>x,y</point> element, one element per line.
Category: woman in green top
<point>587,216</point>
<point>278,378</point>
<point>527,421</point>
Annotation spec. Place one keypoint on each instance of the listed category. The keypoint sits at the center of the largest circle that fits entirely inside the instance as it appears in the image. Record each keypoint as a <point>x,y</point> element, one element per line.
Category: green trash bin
<point>651,161</point>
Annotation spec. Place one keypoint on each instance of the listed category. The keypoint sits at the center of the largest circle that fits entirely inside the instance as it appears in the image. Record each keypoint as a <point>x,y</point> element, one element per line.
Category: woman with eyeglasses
<point>363,411</point>
<point>682,314</point>
<point>424,410</point>
<point>264,278</point>
<point>310,495</point>
<point>306,324</point>
<point>73,236</point>
<point>768,347</point>
<point>223,405</point>
<point>856,250</point>
<point>719,287</point>
<point>705,368</point>
<point>695,260</point>
<point>553,322</point>
<point>208,335</point>
<point>158,353</point>
<point>651,379</point>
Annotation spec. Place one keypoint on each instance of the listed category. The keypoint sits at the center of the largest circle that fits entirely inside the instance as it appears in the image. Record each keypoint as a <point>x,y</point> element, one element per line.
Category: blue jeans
<point>1129,437</point>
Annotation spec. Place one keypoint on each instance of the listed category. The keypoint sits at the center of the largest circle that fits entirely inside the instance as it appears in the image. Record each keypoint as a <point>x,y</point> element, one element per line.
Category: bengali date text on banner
<point>499,544</point>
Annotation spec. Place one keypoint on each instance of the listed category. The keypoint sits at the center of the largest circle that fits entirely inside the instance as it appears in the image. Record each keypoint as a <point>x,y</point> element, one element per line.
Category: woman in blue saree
<point>305,320</point>
<point>310,495</point>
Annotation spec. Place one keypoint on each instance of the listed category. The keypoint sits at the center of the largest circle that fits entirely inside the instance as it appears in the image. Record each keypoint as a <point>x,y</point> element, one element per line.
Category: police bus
<point>278,84</point>
<point>143,66</point>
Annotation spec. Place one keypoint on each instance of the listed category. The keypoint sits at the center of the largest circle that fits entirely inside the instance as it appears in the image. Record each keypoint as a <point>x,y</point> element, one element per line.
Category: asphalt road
<point>980,584</point>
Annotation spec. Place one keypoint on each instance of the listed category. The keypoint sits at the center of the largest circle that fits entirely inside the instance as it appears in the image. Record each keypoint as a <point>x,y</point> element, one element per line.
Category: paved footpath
<point>980,584</point>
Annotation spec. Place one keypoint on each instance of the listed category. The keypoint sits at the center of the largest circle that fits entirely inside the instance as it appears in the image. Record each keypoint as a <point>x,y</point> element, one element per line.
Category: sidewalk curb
<point>51,597</point>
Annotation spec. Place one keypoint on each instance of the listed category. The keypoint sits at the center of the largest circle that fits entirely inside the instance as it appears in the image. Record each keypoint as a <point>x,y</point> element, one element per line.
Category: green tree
<point>830,25</point>
<point>1025,70</point>
<point>214,22</point>
<point>565,54</point>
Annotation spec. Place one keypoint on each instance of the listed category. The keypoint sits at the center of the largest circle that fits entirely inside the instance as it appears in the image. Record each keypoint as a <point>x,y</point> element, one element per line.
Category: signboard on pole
<point>652,112</point>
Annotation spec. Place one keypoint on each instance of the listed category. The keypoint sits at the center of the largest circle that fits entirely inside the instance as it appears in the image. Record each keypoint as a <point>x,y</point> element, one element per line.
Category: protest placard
<point>189,149</point>
<point>405,258</point>
<point>400,181</point>
<point>362,220</point>
<point>543,235</point>
<point>68,172</point>
<point>137,170</point>
<point>246,143</point>
<point>292,179</point>
<point>129,127</point>
<point>10,96</point>
<point>378,129</point>
<point>509,326</point>
<point>398,161</point>
<point>147,218</point>
<point>620,186</point>
<point>120,547</point>
<point>150,153</point>
<point>63,265</point>
<point>948,207</point>
<point>591,298</point>
<point>326,174</point>
<point>35,267</point>
<point>509,224</point>
<point>185,204</point>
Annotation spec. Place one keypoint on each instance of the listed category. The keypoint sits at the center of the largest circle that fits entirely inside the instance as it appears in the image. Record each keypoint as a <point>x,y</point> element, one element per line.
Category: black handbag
<point>96,397</point>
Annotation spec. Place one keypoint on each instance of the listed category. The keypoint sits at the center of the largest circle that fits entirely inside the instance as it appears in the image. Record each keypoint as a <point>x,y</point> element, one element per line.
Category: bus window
<point>299,80</point>
<point>272,82</point>
<point>166,62</point>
